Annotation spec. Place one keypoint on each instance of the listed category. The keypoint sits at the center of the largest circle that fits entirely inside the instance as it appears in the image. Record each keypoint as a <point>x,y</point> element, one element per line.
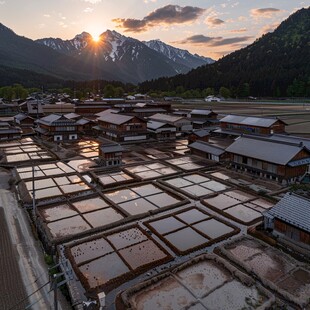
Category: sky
<point>207,27</point>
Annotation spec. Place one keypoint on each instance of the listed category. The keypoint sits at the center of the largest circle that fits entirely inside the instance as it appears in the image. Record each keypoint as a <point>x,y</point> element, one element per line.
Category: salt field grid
<point>145,197</point>
<point>71,218</point>
<point>275,269</point>
<point>239,206</point>
<point>195,185</point>
<point>105,261</point>
<point>24,150</point>
<point>189,163</point>
<point>151,170</point>
<point>55,186</point>
<point>86,148</point>
<point>112,178</point>
<point>205,282</point>
<point>190,229</point>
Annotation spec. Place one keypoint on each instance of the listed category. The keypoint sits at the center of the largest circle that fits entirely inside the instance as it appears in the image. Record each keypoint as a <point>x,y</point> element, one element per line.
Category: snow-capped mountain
<point>131,59</point>
<point>178,55</point>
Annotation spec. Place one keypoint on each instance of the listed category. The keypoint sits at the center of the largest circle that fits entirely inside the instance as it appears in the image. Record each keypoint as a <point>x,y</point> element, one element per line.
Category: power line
<point>24,299</point>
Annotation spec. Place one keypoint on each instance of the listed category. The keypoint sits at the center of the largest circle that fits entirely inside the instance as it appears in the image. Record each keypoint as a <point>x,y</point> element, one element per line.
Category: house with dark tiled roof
<point>199,135</point>
<point>290,219</point>
<point>25,122</point>
<point>181,123</point>
<point>110,153</point>
<point>9,132</point>
<point>55,127</point>
<point>208,151</point>
<point>277,160</point>
<point>161,131</point>
<point>122,128</point>
<point>202,118</point>
<point>236,125</point>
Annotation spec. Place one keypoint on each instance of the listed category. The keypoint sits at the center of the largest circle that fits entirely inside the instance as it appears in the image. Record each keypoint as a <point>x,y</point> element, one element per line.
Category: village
<point>146,204</point>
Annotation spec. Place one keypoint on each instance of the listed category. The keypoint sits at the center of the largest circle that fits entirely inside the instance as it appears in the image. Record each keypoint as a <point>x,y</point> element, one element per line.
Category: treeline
<point>275,65</point>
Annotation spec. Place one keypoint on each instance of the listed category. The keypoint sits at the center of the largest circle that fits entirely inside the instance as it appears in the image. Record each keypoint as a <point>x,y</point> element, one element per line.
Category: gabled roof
<point>116,119</point>
<point>202,112</point>
<point>52,118</point>
<point>201,133</point>
<point>150,110</point>
<point>207,148</point>
<point>22,116</point>
<point>155,125</point>
<point>290,139</point>
<point>250,120</point>
<point>83,121</point>
<point>72,115</point>
<point>112,148</point>
<point>293,209</point>
<point>105,112</point>
<point>166,118</point>
<point>264,149</point>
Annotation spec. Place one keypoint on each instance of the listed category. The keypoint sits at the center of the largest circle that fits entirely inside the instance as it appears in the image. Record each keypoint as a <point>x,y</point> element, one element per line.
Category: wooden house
<point>199,135</point>
<point>9,132</point>
<point>25,122</point>
<point>277,160</point>
<point>182,124</point>
<point>161,131</point>
<point>290,219</point>
<point>237,125</point>
<point>208,151</point>
<point>122,128</point>
<point>110,154</point>
<point>55,127</point>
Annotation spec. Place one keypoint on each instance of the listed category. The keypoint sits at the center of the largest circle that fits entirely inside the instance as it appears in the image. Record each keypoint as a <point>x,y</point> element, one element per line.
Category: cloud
<point>212,22</point>
<point>167,15</point>
<point>88,10</point>
<point>264,13</point>
<point>239,30</point>
<point>2,2</point>
<point>213,41</point>
<point>47,15</point>
<point>92,1</point>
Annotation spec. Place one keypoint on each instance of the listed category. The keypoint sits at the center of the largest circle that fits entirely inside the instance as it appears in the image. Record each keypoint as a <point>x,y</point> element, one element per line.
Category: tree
<point>225,92</point>
<point>109,91</point>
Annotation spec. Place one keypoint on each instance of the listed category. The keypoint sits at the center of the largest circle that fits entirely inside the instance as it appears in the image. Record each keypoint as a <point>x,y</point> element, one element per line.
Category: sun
<point>96,37</point>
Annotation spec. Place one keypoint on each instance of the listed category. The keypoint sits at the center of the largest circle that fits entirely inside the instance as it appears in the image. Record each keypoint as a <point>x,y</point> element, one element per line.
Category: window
<point>244,160</point>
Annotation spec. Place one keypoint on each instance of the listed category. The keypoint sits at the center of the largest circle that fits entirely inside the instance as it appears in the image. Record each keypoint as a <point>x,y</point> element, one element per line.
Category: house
<point>277,160</point>
<point>55,127</point>
<point>199,135</point>
<point>58,107</point>
<point>8,109</point>
<point>110,154</point>
<point>147,111</point>
<point>122,128</point>
<point>237,125</point>
<point>90,108</point>
<point>85,125</point>
<point>202,118</point>
<point>9,132</point>
<point>181,123</point>
<point>290,219</point>
<point>208,151</point>
<point>161,131</point>
<point>32,107</point>
<point>25,122</point>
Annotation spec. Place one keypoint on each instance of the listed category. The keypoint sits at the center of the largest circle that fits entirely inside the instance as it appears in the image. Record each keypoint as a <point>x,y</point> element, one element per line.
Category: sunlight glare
<point>96,37</point>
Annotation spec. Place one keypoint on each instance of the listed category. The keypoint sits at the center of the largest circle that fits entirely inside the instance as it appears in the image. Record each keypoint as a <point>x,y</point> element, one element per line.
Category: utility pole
<point>55,292</point>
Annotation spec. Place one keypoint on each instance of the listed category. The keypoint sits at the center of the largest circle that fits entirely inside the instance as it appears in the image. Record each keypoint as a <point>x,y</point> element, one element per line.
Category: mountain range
<point>113,57</point>
<point>277,64</point>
